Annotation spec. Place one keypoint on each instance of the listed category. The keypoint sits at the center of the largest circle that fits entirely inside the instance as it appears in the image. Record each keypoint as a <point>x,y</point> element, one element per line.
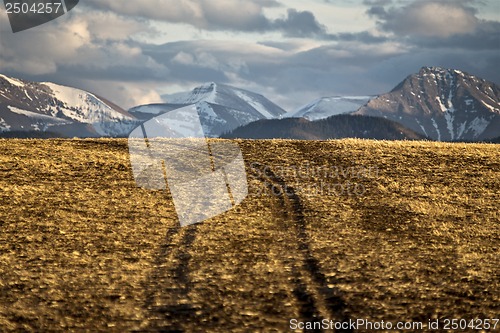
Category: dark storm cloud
<point>362,37</point>
<point>299,24</point>
<point>304,24</point>
<point>377,11</point>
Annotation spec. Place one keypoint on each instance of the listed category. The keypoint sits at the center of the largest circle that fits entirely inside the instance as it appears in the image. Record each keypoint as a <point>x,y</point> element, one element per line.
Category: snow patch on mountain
<point>4,127</point>
<point>35,115</point>
<point>151,109</point>
<point>206,92</point>
<point>82,106</point>
<point>449,123</point>
<point>436,127</point>
<point>479,125</point>
<point>254,103</point>
<point>181,123</point>
<point>495,109</point>
<point>12,81</point>
<point>329,106</point>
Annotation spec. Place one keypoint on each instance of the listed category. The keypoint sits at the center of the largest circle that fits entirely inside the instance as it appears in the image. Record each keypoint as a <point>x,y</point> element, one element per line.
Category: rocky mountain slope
<point>63,111</point>
<point>443,104</point>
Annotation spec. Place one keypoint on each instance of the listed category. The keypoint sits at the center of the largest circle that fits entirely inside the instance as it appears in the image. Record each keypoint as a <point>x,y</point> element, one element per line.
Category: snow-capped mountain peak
<point>229,96</point>
<point>206,92</point>
<point>48,107</point>
<point>83,106</point>
<point>221,107</point>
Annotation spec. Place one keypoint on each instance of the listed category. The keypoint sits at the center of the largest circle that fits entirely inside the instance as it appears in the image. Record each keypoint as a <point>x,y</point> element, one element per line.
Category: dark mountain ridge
<point>335,127</point>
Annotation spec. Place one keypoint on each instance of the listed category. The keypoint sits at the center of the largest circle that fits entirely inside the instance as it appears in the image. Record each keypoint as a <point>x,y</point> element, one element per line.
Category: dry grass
<point>83,249</point>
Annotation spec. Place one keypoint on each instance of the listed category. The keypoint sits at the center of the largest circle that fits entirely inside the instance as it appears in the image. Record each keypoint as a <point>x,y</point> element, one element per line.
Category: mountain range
<point>435,103</point>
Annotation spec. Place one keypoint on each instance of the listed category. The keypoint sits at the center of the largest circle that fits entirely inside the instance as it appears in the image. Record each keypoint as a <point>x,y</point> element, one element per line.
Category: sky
<point>291,51</point>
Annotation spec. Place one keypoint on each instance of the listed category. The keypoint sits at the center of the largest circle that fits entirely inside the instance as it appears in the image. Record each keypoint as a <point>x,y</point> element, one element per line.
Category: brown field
<point>413,235</point>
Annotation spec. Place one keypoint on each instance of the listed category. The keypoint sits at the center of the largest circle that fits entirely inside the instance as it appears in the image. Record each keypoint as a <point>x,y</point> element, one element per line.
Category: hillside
<point>442,104</point>
<point>221,108</point>
<point>344,230</point>
<point>336,127</point>
<point>27,106</point>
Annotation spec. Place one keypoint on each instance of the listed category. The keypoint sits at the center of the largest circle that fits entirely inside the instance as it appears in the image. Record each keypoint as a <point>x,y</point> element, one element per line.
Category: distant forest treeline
<point>336,127</point>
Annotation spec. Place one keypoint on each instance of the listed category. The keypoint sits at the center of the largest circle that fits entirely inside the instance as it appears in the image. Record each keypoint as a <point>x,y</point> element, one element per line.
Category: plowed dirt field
<point>336,230</point>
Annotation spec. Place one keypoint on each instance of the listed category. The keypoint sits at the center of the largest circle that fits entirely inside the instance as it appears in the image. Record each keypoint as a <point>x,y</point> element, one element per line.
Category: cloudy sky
<point>292,51</point>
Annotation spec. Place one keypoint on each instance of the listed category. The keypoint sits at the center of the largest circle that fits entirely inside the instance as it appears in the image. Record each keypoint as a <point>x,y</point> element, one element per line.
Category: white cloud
<point>431,19</point>
<point>128,94</point>
<point>183,58</point>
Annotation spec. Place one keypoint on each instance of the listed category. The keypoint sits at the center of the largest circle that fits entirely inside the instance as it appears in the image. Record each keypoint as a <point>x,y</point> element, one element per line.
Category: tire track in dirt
<point>309,268</point>
<point>168,303</point>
